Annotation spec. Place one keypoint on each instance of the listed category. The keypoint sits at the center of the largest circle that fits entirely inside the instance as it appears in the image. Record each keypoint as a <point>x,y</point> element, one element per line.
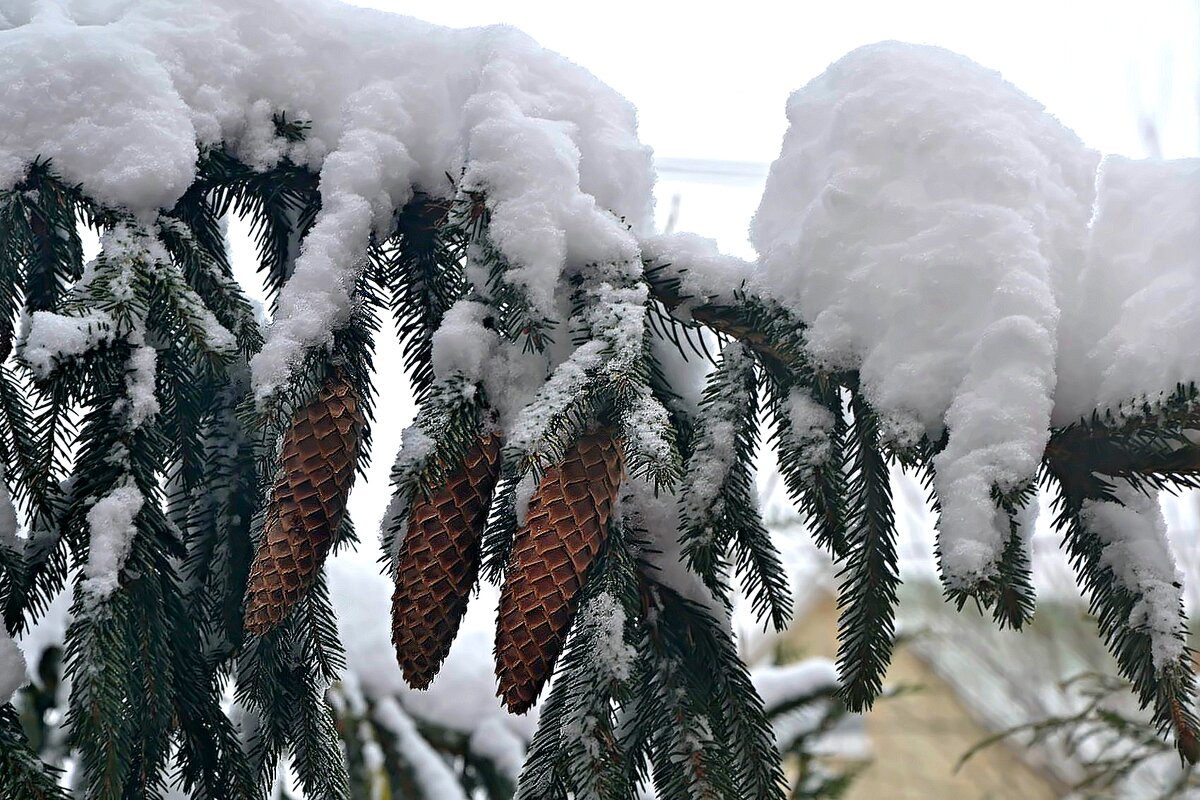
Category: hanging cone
<point>439,561</point>
<point>307,503</point>
<point>564,530</point>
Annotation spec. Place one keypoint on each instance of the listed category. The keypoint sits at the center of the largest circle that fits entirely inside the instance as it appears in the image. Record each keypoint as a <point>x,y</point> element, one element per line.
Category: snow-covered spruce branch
<point>942,282</point>
<point>1149,445</point>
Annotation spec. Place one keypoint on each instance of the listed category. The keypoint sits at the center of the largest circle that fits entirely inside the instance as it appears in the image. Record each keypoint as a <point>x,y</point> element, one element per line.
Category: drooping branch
<point>1151,446</point>
<point>1099,445</point>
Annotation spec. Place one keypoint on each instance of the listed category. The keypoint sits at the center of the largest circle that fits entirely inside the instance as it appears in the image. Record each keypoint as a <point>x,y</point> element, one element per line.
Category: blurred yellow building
<point>918,737</point>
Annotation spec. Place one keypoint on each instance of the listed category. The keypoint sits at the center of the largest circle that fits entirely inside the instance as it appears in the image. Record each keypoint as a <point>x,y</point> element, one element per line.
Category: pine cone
<point>439,561</point>
<point>307,504</point>
<point>565,528</point>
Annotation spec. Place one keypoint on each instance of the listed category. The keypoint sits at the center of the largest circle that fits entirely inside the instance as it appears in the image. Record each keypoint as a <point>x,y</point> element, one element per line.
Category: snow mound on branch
<point>1136,549</point>
<point>52,338</point>
<point>1131,327</point>
<point>919,219</point>
<point>103,109</point>
<point>12,666</point>
<point>123,96</point>
<point>704,272</point>
<point>111,522</point>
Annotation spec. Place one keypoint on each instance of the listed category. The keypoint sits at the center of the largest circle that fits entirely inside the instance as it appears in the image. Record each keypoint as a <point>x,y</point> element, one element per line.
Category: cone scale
<point>307,503</point>
<point>438,563</point>
<point>565,528</point>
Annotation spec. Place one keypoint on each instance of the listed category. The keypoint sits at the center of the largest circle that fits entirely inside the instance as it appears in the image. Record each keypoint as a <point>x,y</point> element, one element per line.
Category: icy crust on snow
<point>1130,324</point>
<point>919,219</point>
<point>123,96</point>
<point>1134,534</point>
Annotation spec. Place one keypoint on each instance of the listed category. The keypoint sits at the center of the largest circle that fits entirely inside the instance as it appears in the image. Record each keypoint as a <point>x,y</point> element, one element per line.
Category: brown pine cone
<point>564,530</point>
<point>307,504</point>
<point>439,562</point>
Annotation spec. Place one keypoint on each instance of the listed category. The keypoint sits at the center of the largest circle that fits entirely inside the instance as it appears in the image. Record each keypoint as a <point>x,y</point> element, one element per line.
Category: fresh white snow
<point>916,218</point>
<point>715,452</point>
<point>462,696</point>
<point>778,685</point>
<point>604,620</point>
<point>433,774</point>
<point>143,403</point>
<point>122,97</point>
<point>811,425</point>
<point>705,273</point>
<point>111,523</point>
<point>1134,534</point>
<point>1130,322</point>
<point>496,742</point>
<point>54,338</point>
<point>12,666</point>
<point>462,343</point>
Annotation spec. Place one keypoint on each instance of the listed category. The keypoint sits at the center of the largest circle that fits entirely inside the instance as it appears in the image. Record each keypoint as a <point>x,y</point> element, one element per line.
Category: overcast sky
<point>710,79</point>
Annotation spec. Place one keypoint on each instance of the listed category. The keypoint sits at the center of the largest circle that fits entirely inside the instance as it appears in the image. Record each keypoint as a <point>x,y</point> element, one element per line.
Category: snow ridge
<point>1134,533</point>
<point>930,222</point>
<point>124,97</point>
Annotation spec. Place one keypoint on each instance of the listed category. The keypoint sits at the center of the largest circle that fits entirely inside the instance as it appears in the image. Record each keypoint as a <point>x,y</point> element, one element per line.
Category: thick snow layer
<point>1131,323</point>
<point>1134,534</point>
<point>111,522</point>
<point>54,338</point>
<point>919,218</point>
<point>12,666</point>
<point>101,106</point>
<point>123,95</point>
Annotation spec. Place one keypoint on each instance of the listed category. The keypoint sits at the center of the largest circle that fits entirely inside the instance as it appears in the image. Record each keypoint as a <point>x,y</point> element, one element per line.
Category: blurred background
<point>710,87</point>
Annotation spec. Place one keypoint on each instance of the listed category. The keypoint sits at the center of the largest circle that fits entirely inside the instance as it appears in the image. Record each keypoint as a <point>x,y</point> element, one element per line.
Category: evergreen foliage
<point>152,414</point>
